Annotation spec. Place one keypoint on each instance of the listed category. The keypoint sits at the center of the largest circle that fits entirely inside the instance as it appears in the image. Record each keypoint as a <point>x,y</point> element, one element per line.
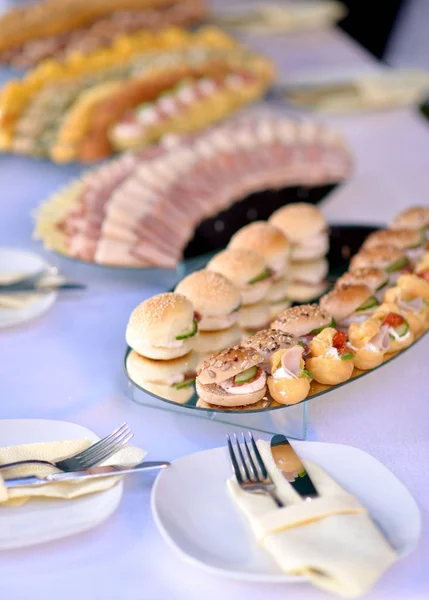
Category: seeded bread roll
<point>370,276</point>
<point>268,341</point>
<point>299,221</point>
<point>415,217</point>
<point>403,239</point>
<point>256,316</point>
<point>166,372</point>
<point>216,341</point>
<point>227,364</point>
<point>342,302</point>
<point>380,257</point>
<point>301,320</point>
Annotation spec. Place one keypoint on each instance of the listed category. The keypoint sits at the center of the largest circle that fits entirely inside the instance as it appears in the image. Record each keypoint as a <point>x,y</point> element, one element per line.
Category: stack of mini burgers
<point>217,304</point>
<point>162,332</point>
<point>305,226</point>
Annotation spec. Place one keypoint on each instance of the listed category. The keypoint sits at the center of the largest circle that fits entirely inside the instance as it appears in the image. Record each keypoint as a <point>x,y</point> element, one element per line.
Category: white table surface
<point>68,365</point>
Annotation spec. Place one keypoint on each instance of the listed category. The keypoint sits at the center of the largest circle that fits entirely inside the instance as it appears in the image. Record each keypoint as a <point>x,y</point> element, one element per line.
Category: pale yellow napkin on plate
<point>128,456</point>
<point>331,540</point>
<point>24,300</point>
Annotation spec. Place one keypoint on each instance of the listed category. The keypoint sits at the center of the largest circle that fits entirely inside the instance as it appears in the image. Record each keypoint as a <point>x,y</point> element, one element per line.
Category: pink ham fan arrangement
<point>142,209</point>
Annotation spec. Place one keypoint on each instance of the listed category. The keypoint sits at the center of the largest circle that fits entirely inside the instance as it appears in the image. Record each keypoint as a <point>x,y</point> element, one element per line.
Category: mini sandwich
<point>307,280</point>
<point>247,270</point>
<point>268,241</point>
<point>235,377</point>
<point>410,241</point>
<point>411,296</point>
<point>254,317</point>
<point>169,379</point>
<point>216,300</point>
<point>331,361</point>
<point>304,321</point>
<point>369,341</point>
<point>376,280</point>
<point>399,330</point>
<point>269,341</point>
<point>391,260</point>
<point>277,298</point>
<point>260,405</point>
<point>415,218</point>
<point>213,342</point>
<point>305,226</point>
<point>289,381</point>
<point>163,327</point>
<point>349,304</point>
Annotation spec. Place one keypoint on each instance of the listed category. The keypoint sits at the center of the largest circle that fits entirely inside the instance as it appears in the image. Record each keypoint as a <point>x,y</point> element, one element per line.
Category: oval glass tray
<point>345,240</point>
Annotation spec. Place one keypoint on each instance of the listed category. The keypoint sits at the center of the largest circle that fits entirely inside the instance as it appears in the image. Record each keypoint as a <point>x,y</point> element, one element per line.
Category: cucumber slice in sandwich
<point>188,334</point>
<point>402,329</point>
<point>305,373</point>
<point>264,275</point>
<point>370,303</point>
<point>246,375</point>
<point>399,264</point>
<point>347,356</point>
<point>185,384</point>
<point>316,331</point>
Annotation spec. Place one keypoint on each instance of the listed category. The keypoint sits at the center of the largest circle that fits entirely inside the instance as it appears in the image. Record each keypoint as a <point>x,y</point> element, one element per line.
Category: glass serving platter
<point>271,417</point>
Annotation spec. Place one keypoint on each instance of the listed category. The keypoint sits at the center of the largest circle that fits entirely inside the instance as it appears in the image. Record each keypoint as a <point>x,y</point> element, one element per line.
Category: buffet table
<point>67,365</point>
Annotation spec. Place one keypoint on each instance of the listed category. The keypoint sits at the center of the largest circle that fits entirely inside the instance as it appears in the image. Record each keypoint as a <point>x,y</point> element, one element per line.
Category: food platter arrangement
<point>229,334</point>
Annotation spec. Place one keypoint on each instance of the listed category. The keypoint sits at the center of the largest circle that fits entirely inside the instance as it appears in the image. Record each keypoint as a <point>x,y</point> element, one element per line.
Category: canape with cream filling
<point>289,381</point>
<point>399,330</point>
<point>330,361</point>
<point>369,342</point>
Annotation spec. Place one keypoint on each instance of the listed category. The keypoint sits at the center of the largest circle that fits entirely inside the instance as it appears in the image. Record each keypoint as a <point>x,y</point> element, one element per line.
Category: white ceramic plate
<point>13,260</point>
<point>43,520</point>
<point>196,516</point>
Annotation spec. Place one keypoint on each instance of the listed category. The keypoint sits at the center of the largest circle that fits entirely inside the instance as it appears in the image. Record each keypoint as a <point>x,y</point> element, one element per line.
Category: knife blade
<point>289,463</point>
<point>42,289</point>
<point>94,473</point>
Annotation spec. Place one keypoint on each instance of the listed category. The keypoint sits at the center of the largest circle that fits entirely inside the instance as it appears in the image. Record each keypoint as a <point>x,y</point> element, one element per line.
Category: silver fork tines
<point>252,475</point>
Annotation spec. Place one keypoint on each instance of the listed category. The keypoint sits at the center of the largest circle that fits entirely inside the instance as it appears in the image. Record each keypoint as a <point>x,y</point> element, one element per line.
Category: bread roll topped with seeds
<point>268,341</point>
<point>303,320</point>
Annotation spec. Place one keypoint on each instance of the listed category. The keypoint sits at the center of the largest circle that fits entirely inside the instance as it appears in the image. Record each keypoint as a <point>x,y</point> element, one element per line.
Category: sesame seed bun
<point>399,238</point>
<point>155,324</point>
<point>213,296</point>
<point>216,341</point>
<point>242,266</point>
<point>268,241</point>
<point>301,320</point>
<point>166,372</point>
<point>342,302</point>
<point>227,364</point>
<point>312,272</point>
<point>255,316</point>
<point>415,217</point>
<point>268,341</point>
<point>298,221</point>
<point>371,277</point>
<point>380,257</point>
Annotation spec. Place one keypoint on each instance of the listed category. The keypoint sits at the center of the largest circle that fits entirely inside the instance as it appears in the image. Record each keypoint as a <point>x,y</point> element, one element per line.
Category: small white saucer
<point>12,261</point>
<point>196,516</point>
<point>43,519</point>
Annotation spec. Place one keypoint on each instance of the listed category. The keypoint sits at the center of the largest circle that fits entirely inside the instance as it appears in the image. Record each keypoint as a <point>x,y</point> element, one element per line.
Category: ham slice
<point>382,340</point>
<point>416,305</point>
<point>291,360</point>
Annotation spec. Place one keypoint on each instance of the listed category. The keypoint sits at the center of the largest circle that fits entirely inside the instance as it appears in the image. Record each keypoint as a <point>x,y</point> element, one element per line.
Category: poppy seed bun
<point>216,341</point>
<point>227,364</point>
<point>298,221</point>
<point>242,266</point>
<point>268,241</point>
<point>342,302</point>
<point>214,297</point>
<point>403,239</point>
<point>301,320</point>
<point>155,324</point>
<point>306,292</point>
<point>268,341</point>
<point>370,276</point>
<point>165,372</point>
<point>415,217</point>
<point>311,272</point>
<point>255,316</point>
<point>380,257</point>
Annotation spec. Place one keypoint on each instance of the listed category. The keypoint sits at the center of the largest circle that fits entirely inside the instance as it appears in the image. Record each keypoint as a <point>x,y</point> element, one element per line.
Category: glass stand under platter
<point>290,420</point>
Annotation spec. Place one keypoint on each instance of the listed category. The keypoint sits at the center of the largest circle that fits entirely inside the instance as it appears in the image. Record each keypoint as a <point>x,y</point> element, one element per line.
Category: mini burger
<point>277,298</point>
<point>391,260</point>
<point>409,241</point>
<point>254,317</point>
<point>268,241</point>
<point>289,381</point>
<point>376,280</point>
<point>305,226</point>
<point>349,304</point>
<point>369,342</point>
<point>170,379</point>
<point>163,327</point>
<point>400,333</point>
<point>235,377</point>
<point>303,321</point>
<point>269,341</point>
<point>307,280</point>
<point>415,218</point>
<point>330,361</point>
<point>411,296</point>
<point>216,300</point>
<point>247,270</point>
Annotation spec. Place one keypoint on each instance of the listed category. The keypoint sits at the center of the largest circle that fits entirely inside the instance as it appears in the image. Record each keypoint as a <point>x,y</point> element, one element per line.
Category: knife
<point>289,463</point>
<point>94,473</point>
<point>42,288</point>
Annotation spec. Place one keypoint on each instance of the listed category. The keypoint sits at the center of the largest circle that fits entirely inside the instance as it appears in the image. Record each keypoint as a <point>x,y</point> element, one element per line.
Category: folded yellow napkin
<point>53,451</point>
<point>331,540</point>
<point>24,300</point>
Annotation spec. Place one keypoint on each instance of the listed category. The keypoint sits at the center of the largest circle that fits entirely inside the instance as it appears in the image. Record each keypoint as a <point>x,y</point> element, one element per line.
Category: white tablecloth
<point>68,365</point>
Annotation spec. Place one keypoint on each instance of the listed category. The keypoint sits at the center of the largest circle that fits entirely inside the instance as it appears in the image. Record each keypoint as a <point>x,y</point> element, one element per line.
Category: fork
<point>92,456</point>
<point>251,478</point>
